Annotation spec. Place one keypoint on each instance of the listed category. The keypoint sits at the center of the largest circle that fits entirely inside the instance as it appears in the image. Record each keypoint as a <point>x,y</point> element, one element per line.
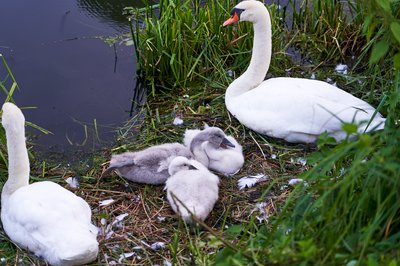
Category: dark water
<point>66,70</point>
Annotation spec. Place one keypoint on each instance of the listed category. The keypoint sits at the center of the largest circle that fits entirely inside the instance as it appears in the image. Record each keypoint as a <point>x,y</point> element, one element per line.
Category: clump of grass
<point>183,43</point>
<point>328,29</point>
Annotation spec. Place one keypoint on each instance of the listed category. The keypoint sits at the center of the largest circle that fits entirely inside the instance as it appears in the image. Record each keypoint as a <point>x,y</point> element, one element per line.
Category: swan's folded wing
<point>44,202</point>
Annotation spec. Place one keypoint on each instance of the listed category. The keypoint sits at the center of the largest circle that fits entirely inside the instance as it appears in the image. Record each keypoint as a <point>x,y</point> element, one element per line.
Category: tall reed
<point>183,43</point>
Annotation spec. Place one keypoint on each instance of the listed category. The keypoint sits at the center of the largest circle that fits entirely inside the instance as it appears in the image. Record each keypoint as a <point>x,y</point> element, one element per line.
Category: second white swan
<point>294,109</point>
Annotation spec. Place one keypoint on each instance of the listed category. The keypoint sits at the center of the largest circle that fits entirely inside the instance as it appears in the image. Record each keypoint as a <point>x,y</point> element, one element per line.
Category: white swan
<point>149,166</point>
<point>294,109</point>
<point>192,185</point>
<point>43,217</point>
<point>226,159</point>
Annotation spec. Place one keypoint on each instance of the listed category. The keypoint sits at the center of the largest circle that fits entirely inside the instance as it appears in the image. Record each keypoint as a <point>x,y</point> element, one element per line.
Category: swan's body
<point>294,109</point>
<point>149,166</point>
<point>224,159</point>
<point>192,185</point>
<point>43,217</point>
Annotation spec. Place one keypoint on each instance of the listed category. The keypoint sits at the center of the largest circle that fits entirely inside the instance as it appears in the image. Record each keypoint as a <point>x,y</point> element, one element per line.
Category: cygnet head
<point>249,10</point>
<point>12,118</point>
<point>214,135</point>
<point>180,163</point>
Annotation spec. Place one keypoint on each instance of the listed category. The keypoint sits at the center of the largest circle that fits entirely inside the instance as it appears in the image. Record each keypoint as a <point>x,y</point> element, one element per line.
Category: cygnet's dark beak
<point>226,143</point>
<point>191,167</point>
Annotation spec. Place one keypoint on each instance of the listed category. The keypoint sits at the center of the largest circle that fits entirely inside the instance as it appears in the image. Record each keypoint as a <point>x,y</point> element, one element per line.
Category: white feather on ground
<point>251,180</point>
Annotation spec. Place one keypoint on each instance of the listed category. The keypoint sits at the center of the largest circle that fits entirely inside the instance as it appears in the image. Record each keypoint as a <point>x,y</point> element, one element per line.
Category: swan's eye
<point>236,11</point>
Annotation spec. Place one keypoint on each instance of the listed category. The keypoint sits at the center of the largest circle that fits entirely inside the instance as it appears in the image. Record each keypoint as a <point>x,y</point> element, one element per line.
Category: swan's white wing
<point>280,107</point>
<point>50,221</point>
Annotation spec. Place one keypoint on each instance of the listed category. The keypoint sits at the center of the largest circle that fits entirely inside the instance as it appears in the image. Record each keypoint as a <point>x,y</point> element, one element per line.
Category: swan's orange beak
<point>234,18</point>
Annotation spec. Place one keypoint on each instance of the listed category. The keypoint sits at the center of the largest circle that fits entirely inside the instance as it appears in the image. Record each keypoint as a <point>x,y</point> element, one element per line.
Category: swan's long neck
<point>260,59</point>
<point>18,162</point>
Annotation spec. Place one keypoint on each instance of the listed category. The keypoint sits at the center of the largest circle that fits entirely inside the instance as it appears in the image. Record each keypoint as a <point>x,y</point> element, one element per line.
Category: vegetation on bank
<point>348,211</point>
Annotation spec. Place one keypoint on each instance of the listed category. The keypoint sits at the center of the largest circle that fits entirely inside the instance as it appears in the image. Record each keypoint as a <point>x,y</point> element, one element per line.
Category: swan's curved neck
<point>18,162</point>
<point>260,59</point>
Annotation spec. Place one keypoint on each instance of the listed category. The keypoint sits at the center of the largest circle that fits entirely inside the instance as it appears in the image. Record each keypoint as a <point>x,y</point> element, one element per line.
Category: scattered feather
<point>342,171</point>
<point>273,156</point>
<point>136,198</point>
<point>301,161</point>
<point>249,181</point>
<point>108,231</point>
<point>312,76</point>
<point>283,187</point>
<point>295,181</point>
<point>161,218</point>
<point>263,214</point>
<point>167,263</point>
<point>177,121</point>
<point>229,72</point>
<point>341,69</point>
<point>157,246</point>
<point>106,202</point>
<point>125,256</point>
<point>72,182</point>
<point>120,217</point>
<point>145,244</point>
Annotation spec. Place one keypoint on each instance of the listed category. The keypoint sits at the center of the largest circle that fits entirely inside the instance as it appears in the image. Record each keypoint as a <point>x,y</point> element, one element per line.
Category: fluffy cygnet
<point>215,150</point>
<point>43,217</point>
<point>149,166</point>
<point>191,185</point>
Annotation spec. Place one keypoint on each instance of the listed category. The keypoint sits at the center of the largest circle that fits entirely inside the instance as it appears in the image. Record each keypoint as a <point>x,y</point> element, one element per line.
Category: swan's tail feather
<point>83,257</point>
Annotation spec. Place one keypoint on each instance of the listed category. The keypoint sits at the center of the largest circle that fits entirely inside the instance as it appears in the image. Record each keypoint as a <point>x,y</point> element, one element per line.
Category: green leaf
<point>234,230</point>
<point>350,128</point>
<point>385,4</point>
<point>365,141</point>
<point>379,51</point>
<point>371,261</point>
<point>396,61</point>
<point>395,28</point>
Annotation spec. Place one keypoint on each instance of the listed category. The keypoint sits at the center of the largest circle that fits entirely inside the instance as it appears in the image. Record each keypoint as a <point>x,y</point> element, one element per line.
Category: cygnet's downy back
<point>191,189</point>
<point>149,166</point>
<point>217,151</point>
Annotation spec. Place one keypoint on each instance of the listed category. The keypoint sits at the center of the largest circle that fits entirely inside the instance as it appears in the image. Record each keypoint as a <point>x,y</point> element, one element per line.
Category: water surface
<point>56,52</point>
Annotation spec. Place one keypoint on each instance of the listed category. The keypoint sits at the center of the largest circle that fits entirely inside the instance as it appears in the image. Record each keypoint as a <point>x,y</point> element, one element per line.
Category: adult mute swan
<point>149,166</point>
<point>191,185</point>
<point>43,217</point>
<point>215,150</point>
<point>294,109</point>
